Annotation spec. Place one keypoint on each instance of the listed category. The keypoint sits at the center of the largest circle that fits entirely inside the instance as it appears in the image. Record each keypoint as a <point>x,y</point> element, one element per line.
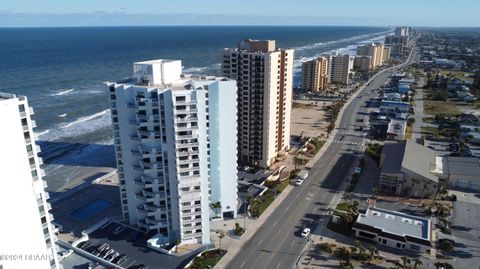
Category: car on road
<point>357,170</point>
<point>298,182</point>
<point>305,232</point>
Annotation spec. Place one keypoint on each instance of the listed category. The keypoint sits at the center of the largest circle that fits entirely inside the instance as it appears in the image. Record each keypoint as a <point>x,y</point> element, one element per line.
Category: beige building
<point>386,54</point>
<point>374,50</point>
<point>315,74</point>
<point>339,67</point>
<point>362,63</point>
<point>264,77</point>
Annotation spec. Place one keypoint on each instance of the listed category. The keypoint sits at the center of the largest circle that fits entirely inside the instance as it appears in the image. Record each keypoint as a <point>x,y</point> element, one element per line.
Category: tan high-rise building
<point>315,74</point>
<point>339,67</point>
<point>374,50</point>
<point>386,53</point>
<point>362,63</point>
<point>264,77</point>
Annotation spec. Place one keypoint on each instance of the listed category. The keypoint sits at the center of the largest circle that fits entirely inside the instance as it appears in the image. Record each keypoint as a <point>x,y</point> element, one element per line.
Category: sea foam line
<point>64,92</point>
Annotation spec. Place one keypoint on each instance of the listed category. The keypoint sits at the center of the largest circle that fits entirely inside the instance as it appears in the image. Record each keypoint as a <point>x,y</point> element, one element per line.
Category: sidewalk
<point>236,244</point>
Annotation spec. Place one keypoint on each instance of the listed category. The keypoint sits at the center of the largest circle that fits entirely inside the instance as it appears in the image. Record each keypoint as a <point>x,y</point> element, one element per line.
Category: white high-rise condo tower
<point>27,239</point>
<point>264,77</point>
<point>175,140</point>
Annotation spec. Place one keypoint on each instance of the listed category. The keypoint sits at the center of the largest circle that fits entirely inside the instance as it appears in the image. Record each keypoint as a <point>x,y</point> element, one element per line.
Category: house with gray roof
<point>394,229</point>
<point>409,169</point>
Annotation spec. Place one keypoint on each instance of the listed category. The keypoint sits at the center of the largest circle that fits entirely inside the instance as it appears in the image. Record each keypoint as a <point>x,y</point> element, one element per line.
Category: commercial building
<point>175,142</point>
<point>27,232</point>
<point>315,74</point>
<point>461,172</point>
<point>362,63</point>
<point>394,229</point>
<point>408,168</point>
<point>374,50</point>
<point>264,77</point>
<point>339,68</point>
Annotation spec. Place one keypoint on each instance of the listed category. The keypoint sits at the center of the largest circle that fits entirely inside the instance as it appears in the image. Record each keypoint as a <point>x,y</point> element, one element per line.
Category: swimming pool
<point>93,208</point>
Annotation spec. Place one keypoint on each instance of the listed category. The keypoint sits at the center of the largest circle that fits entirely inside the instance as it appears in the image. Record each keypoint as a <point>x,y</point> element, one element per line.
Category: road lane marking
<point>287,208</point>
<point>260,242</point>
<point>275,223</point>
<point>278,265</point>
<point>243,263</point>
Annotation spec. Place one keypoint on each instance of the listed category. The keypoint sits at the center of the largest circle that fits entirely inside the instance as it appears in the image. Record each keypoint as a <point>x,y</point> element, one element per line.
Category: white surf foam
<point>80,126</point>
<point>64,92</point>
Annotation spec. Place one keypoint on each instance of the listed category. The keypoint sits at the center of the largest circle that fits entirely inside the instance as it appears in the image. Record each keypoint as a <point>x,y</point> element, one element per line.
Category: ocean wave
<point>64,92</point>
<point>201,69</point>
<point>350,49</point>
<point>349,39</point>
<point>63,115</point>
<point>80,126</point>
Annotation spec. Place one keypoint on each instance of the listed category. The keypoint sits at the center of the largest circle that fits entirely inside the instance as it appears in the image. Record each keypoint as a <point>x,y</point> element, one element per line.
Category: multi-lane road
<point>277,244</point>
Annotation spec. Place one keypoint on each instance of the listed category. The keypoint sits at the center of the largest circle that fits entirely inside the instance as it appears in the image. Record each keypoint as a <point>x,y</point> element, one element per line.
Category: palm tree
<point>373,250</point>
<point>425,186</point>
<point>405,259</point>
<point>220,236</point>
<point>215,207</point>
<point>417,262</point>
<point>414,182</point>
<point>297,161</point>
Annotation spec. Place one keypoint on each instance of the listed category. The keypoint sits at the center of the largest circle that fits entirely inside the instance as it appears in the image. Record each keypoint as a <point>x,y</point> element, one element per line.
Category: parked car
<point>298,182</point>
<point>358,170</point>
<point>93,265</point>
<point>119,229</point>
<point>305,232</point>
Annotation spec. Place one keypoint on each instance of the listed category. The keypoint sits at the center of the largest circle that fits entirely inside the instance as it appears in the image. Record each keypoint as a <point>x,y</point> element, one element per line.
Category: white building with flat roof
<point>175,141</point>
<point>394,229</point>
<point>26,233</point>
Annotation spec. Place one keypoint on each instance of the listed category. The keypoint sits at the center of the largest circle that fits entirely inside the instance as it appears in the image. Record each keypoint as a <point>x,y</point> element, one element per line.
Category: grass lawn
<point>264,205</point>
<point>343,206</point>
<point>458,74</point>
<point>208,259</point>
<point>427,120</point>
<point>280,187</point>
<point>436,107</point>
<point>408,132</point>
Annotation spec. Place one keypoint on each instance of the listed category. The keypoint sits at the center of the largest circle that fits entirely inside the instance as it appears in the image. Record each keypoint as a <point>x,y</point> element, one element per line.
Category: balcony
<point>187,153</point>
<point>185,119</point>
<point>136,153</point>
<point>134,122</point>
<point>135,138</point>
<point>132,105</point>
<point>186,144</point>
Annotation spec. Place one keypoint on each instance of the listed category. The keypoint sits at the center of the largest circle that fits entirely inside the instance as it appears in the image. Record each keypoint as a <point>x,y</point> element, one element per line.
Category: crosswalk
<point>354,133</point>
<point>346,142</point>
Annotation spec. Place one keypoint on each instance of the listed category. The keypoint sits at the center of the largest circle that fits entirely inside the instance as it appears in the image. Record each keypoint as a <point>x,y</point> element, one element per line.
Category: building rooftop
<point>392,155</point>
<point>6,96</point>
<point>410,156</point>
<point>463,166</point>
<point>420,160</point>
<point>394,222</point>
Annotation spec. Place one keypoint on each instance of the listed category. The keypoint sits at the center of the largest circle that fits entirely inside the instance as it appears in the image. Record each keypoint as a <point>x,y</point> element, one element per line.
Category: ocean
<point>62,71</point>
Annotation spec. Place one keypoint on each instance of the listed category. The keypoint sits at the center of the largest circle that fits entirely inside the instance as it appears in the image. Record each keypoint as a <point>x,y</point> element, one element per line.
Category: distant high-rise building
<point>315,74</point>
<point>26,222</point>
<point>362,63</point>
<point>374,50</point>
<point>339,68</point>
<point>386,54</point>
<point>264,77</point>
<point>402,31</point>
<point>175,139</point>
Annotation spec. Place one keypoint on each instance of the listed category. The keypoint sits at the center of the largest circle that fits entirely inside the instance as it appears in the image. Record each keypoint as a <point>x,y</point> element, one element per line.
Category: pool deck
<point>73,227</point>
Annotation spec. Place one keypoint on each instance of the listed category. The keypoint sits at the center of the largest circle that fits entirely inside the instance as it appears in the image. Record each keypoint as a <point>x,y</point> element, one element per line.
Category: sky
<point>46,13</point>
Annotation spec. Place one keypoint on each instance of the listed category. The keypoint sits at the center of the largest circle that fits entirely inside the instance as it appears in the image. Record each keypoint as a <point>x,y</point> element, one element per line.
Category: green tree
<point>215,207</point>
<point>417,262</point>
<point>220,236</point>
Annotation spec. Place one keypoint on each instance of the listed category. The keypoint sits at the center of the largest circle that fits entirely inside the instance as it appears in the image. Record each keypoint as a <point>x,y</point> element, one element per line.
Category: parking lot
<point>466,229</point>
<point>131,246</point>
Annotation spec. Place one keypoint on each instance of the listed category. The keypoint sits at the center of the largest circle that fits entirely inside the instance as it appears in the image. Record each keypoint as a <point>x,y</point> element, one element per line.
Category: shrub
<point>238,230</point>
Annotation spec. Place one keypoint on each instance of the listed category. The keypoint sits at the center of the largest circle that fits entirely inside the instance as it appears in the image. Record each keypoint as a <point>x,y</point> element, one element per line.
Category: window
<point>415,247</point>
